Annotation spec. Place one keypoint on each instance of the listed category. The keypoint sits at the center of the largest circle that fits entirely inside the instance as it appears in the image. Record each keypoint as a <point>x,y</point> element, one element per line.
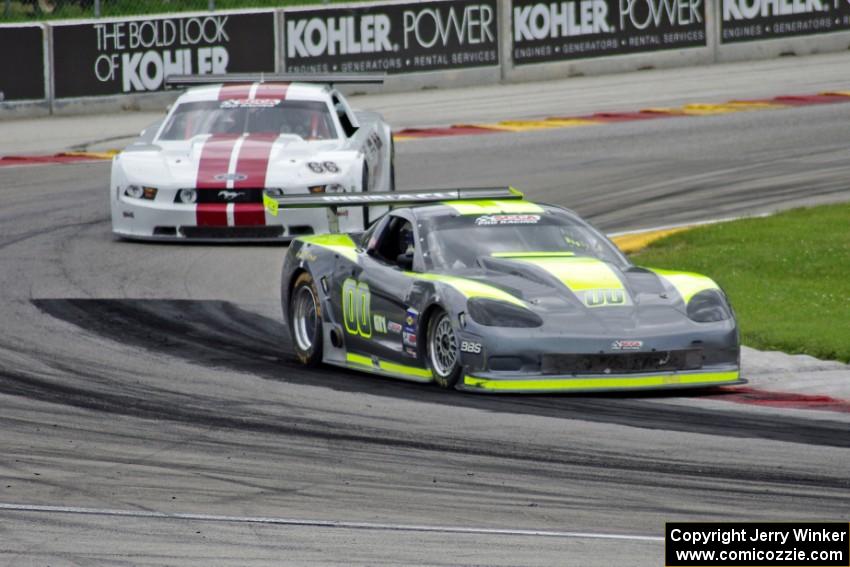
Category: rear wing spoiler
<point>230,78</point>
<point>334,200</point>
<point>396,198</point>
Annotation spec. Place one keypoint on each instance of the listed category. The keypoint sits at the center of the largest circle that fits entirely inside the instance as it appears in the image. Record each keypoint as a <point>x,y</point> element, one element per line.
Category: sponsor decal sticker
<point>470,347</point>
<point>411,319</point>
<point>379,322</point>
<point>626,345</point>
<point>408,338</point>
<point>489,220</point>
<point>250,103</point>
<point>411,351</point>
<point>394,327</point>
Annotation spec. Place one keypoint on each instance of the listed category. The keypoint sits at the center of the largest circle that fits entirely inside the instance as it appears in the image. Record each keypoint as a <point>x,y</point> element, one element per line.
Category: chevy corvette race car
<point>482,290</point>
<point>211,169</point>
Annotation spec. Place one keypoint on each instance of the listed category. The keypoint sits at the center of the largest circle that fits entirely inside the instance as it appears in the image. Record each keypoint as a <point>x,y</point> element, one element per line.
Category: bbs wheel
<point>305,320</point>
<point>442,350</point>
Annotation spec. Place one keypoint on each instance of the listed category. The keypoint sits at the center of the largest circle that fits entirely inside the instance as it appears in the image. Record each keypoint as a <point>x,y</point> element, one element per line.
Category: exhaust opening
<point>336,338</point>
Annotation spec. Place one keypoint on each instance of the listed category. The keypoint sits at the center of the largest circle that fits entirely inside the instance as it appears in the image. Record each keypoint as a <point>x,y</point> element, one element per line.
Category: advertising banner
<point>392,38</point>
<point>135,55</point>
<point>577,29</point>
<point>749,20</point>
<point>22,69</point>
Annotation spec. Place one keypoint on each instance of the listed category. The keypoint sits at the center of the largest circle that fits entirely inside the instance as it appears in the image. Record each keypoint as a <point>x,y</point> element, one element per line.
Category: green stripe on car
<point>339,243</point>
<point>386,367</point>
<point>607,383</point>
<point>470,288</point>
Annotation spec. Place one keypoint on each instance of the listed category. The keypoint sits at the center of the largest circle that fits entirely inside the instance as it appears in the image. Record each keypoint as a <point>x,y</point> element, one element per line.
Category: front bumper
<point>164,220</point>
<point>525,383</point>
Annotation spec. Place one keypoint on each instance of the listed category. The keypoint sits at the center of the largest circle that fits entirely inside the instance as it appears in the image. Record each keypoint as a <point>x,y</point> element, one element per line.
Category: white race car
<point>211,169</point>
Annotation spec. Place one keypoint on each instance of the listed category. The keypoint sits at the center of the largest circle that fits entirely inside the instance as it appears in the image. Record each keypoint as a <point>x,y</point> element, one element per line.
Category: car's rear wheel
<point>442,349</point>
<point>305,320</point>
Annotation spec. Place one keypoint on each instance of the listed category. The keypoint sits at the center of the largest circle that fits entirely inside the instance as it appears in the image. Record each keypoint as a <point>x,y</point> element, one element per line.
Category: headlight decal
<point>686,284</point>
<point>491,313</point>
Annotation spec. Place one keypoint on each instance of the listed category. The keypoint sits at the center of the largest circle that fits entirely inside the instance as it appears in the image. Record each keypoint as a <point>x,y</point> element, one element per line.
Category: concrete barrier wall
<point>425,44</point>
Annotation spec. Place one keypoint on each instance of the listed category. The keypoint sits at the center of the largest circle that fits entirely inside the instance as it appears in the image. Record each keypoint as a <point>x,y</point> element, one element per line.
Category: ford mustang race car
<point>482,290</point>
<point>211,169</point>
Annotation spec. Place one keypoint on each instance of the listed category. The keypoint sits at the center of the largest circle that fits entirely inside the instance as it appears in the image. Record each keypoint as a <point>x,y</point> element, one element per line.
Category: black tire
<point>445,375</point>
<point>365,187</point>
<point>304,330</point>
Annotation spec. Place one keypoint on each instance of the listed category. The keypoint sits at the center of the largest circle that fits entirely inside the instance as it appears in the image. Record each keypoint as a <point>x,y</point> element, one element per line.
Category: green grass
<point>788,276</point>
<point>24,11</point>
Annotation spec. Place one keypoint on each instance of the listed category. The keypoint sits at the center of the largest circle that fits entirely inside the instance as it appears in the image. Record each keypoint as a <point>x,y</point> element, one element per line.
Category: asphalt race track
<point>151,413</point>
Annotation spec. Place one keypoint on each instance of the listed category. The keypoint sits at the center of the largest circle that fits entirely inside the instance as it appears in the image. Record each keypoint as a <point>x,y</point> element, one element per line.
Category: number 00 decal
<point>357,308</point>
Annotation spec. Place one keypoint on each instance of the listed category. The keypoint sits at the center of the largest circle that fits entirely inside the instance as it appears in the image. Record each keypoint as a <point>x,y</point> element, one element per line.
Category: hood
<point>590,295</point>
<point>261,160</point>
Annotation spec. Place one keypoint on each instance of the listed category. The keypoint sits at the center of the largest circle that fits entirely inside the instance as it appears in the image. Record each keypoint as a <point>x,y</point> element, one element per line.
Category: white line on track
<point>318,523</point>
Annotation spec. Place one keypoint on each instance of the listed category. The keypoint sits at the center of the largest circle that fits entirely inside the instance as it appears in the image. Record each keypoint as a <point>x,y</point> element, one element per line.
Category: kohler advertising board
<point>392,38</point>
<point>22,69</point>
<point>134,55</point>
<point>577,29</point>
<point>751,20</point>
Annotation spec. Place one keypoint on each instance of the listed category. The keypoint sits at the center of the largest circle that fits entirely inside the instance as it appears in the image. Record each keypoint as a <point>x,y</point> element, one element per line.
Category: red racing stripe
<point>272,90</point>
<point>234,92</point>
<point>213,164</point>
<point>249,214</point>
<point>253,160</point>
<point>211,214</point>
<point>253,163</point>
<point>214,161</point>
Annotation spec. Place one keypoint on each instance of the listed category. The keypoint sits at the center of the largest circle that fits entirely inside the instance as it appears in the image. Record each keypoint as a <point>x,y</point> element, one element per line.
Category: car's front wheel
<point>442,350</point>
<point>305,320</point>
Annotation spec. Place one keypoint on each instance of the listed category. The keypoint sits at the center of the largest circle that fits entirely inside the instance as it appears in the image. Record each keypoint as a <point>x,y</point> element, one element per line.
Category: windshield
<point>454,243</point>
<point>310,120</point>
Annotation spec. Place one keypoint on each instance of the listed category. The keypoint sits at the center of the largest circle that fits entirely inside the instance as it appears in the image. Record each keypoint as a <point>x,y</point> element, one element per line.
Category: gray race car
<point>482,290</point>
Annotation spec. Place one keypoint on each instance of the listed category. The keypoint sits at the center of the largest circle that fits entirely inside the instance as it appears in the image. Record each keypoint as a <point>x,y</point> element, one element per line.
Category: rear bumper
<point>538,383</point>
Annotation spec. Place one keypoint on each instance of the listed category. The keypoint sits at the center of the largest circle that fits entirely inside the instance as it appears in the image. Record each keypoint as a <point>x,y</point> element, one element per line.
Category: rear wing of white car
<point>239,78</point>
<point>334,200</point>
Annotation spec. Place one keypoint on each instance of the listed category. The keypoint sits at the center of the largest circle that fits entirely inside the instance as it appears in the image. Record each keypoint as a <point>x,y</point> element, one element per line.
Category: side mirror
<point>405,261</point>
